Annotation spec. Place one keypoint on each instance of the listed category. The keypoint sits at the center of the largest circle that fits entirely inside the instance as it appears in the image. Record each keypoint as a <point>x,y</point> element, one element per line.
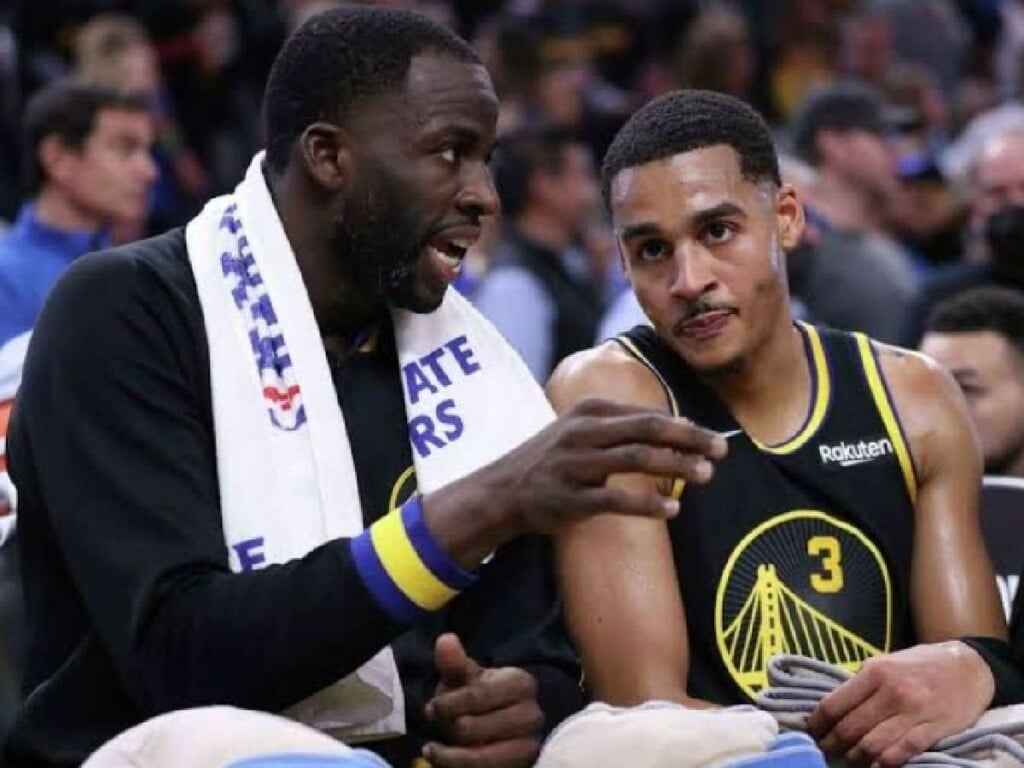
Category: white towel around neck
<point>286,475</point>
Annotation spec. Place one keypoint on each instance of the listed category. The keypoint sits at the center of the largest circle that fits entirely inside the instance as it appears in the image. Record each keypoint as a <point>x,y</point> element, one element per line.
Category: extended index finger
<point>651,427</point>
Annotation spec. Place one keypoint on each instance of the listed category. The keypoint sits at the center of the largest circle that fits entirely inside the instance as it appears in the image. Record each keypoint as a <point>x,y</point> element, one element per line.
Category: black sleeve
<point>1006,670</point>
<point>121,449</point>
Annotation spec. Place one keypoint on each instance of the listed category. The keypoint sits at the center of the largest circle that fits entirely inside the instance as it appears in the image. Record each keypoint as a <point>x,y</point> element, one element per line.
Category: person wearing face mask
<point>995,229</point>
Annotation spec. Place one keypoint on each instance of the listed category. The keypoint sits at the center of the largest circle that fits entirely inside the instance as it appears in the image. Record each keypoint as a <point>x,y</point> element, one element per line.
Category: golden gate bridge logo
<point>802,583</point>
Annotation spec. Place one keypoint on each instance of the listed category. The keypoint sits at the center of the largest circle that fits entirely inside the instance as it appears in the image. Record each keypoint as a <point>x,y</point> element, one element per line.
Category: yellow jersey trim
<point>396,489</point>
<point>886,411</point>
<point>823,394</point>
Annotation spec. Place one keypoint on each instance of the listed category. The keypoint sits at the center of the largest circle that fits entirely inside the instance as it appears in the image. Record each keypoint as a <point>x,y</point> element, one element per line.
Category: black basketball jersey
<point>802,547</point>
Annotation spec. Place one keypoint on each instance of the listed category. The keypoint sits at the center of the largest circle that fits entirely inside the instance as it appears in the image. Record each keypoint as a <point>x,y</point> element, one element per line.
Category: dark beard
<point>379,246</point>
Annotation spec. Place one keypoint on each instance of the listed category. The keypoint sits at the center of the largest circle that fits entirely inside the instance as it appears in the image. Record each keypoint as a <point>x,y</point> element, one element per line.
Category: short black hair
<point>520,155</point>
<point>844,106</point>
<point>687,120</point>
<point>999,310</point>
<point>67,109</point>
<point>341,58</point>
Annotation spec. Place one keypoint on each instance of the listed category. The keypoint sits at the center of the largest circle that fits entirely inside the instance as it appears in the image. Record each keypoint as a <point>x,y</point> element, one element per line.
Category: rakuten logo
<point>851,454</point>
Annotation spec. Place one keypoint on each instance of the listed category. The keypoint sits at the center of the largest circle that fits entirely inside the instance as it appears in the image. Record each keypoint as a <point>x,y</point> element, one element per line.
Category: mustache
<point>698,308</point>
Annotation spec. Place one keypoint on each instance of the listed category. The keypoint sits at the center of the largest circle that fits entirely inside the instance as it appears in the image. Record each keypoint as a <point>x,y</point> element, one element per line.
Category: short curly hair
<point>340,59</point>
<point>999,310</point>
<point>686,120</point>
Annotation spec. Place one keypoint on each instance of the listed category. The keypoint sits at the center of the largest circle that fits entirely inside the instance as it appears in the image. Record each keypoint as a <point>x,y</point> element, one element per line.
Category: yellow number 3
<point>831,579</point>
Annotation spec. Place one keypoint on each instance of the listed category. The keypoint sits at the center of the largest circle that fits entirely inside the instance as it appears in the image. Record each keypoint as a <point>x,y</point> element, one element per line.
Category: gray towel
<point>796,684</point>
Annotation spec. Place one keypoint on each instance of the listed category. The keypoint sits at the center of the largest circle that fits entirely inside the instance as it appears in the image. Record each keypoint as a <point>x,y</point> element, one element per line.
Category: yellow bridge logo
<point>774,620</point>
<point>835,561</point>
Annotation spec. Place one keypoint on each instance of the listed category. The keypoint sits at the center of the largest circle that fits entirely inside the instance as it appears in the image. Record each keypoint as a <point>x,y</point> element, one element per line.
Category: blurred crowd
<point>900,123</point>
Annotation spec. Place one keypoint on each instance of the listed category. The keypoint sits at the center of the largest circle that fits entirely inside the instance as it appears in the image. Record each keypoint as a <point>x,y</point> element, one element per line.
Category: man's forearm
<point>268,638</point>
<point>468,522</point>
<point>261,640</point>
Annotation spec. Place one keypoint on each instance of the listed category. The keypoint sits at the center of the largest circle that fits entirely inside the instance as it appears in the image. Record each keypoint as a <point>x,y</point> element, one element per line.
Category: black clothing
<point>132,608</point>
<point>577,302</point>
<point>802,547</point>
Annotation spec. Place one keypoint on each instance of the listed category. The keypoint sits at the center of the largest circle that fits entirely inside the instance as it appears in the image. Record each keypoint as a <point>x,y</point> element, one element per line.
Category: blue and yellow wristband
<point>406,571</point>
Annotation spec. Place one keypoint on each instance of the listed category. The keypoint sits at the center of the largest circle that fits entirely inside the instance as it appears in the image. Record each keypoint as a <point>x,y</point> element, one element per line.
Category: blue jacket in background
<point>33,255</point>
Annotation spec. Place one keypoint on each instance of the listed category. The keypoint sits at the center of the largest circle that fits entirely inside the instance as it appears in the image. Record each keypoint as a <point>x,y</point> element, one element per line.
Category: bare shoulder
<point>927,400</point>
<point>916,379</point>
<point>606,371</point>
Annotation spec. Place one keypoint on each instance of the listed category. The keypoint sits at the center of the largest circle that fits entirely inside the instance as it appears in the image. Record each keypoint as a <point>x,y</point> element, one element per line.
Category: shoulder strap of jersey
<point>886,410</point>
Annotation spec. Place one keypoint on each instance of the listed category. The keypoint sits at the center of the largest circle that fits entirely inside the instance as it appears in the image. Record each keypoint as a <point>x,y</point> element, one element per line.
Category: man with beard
<point>993,233</point>
<point>843,525</point>
<point>379,126</point>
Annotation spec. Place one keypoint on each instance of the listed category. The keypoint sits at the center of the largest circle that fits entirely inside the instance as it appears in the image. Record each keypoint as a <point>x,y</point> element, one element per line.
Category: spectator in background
<point>509,47</point>
<point>859,277</point>
<point>994,237</point>
<point>806,53</point>
<point>10,112</point>
<point>540,292</point>
<point>929,32</point>
<point>114,51</point>
<point>866,46</point>
<point>717,35</point>
<point>88,168</point>
<point>566,90</point>
<point>978,336</point>
<point>214,58</point>
<point>995,181</point>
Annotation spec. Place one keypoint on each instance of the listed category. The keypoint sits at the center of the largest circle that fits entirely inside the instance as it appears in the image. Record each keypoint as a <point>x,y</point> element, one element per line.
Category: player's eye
<point>651,250</point>
<point>718,233</point>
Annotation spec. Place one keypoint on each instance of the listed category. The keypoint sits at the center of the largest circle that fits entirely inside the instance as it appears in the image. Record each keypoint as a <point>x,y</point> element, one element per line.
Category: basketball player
<point>843,523</point>
<point>379,123</point>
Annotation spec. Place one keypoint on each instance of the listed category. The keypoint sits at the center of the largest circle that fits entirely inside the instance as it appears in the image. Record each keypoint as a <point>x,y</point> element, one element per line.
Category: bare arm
<point>953,591</point>
<point>618,578</point>
<point>899,705</point>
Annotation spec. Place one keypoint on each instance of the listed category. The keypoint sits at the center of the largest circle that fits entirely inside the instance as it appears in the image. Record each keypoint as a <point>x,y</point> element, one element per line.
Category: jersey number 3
<point>830,578</point>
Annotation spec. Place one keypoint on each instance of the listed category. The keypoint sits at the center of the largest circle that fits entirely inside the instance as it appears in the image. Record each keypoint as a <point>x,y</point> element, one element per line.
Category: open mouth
<point>447,250</point>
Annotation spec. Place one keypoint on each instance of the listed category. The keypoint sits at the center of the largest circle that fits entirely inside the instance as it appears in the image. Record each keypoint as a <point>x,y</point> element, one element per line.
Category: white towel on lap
<point>286,474</point>
<point>657,734</point>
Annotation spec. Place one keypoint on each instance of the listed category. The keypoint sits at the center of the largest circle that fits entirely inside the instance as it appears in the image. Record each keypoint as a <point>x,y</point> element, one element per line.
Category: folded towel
<point>213,737</point>
<point>796,684</point>
<point>281,437</point>
<point>660,735</point>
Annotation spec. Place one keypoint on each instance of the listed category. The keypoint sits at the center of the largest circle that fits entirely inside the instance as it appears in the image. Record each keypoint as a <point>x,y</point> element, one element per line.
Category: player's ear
<point>789,213</point>
<point>325,150</point>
